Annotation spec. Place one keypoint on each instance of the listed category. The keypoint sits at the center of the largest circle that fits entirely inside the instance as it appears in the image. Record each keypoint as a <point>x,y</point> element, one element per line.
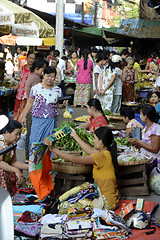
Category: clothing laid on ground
<point>146,137</point>
<point>128,86</point>
<point>104,175</point>
<point>7,179</point>
<point>97,122</point>
<point>21,97</point>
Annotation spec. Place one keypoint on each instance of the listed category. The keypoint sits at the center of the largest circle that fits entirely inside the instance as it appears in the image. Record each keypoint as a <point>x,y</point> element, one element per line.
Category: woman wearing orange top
<point>97,118</point>
<point>20,102</point>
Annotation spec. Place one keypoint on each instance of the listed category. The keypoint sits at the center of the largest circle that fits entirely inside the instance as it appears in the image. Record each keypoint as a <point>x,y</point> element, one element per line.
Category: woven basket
<point>137,162</point>
<point>70,168</point>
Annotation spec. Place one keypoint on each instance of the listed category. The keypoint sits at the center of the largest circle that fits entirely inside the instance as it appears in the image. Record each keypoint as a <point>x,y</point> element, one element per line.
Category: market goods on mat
<point>68,143</point>
<point>149,76</point>
<point>83,118</point>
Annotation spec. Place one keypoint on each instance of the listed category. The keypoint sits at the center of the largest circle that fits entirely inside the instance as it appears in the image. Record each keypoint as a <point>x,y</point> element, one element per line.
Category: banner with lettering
<point>6,16</point>
<point>25,30</point>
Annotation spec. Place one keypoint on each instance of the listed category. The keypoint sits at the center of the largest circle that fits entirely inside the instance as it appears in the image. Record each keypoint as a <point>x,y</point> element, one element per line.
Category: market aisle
<point>83,111</point>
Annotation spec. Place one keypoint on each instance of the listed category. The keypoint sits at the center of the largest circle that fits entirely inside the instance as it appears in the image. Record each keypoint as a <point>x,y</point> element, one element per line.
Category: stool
<point>133,180</point>
<point>64,182</point>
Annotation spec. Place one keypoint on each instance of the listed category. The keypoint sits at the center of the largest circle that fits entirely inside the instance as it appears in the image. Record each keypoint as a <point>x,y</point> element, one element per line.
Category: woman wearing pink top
<point>83,85</point>
<point>20,102</point>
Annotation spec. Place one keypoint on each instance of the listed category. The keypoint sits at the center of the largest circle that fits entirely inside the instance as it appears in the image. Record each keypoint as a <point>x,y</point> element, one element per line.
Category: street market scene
<point>79,119</point>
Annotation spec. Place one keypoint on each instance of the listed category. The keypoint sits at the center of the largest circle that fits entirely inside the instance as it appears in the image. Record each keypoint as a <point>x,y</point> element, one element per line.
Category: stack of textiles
<point>27,211</point>
<point>53,226</point>
<point>79,225</point>
<point>79,229</point>
<point>78,197</point>
<point>107,225</point>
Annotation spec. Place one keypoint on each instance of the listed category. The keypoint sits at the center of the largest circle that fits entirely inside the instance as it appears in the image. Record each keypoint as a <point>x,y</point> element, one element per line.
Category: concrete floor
<point>79,112</point>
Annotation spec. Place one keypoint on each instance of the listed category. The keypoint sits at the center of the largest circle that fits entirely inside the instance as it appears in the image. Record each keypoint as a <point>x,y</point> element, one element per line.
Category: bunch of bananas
<point>83,118</point>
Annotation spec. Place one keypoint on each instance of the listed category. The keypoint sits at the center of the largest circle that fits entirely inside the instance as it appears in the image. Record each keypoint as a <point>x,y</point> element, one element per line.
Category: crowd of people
<point>103,80</point>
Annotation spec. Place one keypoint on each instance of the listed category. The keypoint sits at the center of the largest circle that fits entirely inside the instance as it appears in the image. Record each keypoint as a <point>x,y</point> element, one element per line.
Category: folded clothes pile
<point>78,197</point>
<point>53,226</point>
<point>79,229</point>
<point>107,225</point>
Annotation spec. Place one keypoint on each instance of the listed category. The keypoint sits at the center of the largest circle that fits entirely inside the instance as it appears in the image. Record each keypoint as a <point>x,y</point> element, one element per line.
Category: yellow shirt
<point>104,175</point>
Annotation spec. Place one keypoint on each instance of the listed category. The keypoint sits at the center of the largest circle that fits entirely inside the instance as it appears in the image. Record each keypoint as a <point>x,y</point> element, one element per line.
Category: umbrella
<point>22,22</point>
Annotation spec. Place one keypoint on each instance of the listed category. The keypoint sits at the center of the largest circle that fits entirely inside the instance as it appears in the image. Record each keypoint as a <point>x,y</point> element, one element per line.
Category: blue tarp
<point>77,17</point>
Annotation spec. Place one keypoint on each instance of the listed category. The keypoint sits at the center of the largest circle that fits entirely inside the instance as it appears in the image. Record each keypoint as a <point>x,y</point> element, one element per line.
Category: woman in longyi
<point>103,157</point>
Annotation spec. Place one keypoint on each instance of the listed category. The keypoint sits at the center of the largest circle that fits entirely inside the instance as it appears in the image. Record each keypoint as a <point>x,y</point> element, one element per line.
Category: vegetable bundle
<point>68,142</point>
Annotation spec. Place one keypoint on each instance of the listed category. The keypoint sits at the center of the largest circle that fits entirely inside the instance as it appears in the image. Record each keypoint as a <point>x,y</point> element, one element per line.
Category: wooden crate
<point>133,180</point>
<point>64,182</point>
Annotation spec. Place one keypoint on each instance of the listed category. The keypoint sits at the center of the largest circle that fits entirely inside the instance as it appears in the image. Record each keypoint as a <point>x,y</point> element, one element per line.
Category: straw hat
<point>3,121</point>
<point>116,58</point>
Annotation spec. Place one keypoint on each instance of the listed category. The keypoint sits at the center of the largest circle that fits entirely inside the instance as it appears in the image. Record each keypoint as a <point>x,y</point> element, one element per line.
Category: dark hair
<point>56,59</point>
<point>106,54</point>
<point>105,134</point>
<point>149,95</point>
<point>94,50</point>
<point>38,63</point>
<point>138,58</point>
<point>29,53</point>
<point>24,49</point>
<point>111,64</point>
<point>99,57</point>
<point>39,55</point>
<point>65,58</point>
<point>128,112</point>
<point>11,126</point>
<point>150,112</point>
<point>73,51</point>
<point>85,55</point>
<point>49,70</point>
<point>124,52</point>
<point>154,55</point>
<point>94,102</point>
<point>56,53</point>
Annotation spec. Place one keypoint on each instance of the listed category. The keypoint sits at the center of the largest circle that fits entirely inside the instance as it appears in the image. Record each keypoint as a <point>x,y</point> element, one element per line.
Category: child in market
<point>153,98</point>
<point>103,157</point>
<point>129,118</point>
<point>10,169</point>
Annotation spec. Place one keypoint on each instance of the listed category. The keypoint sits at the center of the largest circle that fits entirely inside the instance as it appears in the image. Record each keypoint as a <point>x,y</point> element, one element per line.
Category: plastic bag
<point>21,144</point>
<point>67,114</point>
<point>154,180</point>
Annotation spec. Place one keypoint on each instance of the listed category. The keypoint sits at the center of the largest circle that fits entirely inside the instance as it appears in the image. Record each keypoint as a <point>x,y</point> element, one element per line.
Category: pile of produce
<point>83,118</point>
<point>149,76</point>
<point>68,142</point>
<point>129,156</point>
<point>122,141</point>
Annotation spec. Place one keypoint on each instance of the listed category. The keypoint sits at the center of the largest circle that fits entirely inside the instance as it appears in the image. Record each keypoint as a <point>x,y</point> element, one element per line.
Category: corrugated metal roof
<point>139,28</point>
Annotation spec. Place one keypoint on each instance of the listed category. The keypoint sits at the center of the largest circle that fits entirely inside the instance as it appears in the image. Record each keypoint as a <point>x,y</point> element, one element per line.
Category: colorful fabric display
<point>30,217</point>
<point>78,197</point>
<point>31,229</point>
<point>77,213</point>
<point>109,225</point>
<point>31,208</point>
<point>40,163</point>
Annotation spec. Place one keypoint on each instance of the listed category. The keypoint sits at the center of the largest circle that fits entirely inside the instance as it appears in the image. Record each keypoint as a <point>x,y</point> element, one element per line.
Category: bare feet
<point>74,106</point>
<point>82,106</point>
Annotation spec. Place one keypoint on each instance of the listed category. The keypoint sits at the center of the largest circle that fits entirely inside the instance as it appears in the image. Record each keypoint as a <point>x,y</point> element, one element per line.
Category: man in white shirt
<point>62,66</point>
